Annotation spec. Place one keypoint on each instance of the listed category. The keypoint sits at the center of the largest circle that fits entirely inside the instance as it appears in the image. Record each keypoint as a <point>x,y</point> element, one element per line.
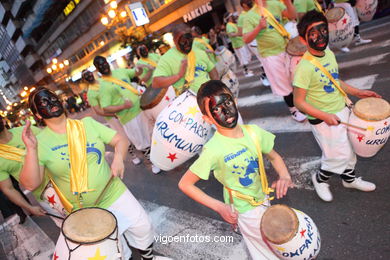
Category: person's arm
<point>148,74</point>
<point>290,12</point>
<point>31,175</point>
<point>187,185</point>
<point>284,182</point>
<point>8,189</point>
<point>214,74</point>
<point>250,36</point>
<point>360,93</point>
<point>99,111</point>
<point>120,143</point>
<point>115,109</point>
<point>166,81</point>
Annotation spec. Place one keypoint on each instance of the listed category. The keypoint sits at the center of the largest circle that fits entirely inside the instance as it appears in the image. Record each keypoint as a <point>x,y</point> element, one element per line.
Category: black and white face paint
<point>102,66</point>
<point>47,104</point>
<point>185,42</point>
<point>224,110</point>
<point>88,76</point>
<point>318,36</point>
<point>143,51</point>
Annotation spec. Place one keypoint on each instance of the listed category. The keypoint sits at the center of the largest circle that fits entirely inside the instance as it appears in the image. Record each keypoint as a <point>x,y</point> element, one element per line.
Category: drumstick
<point>369,128</point>
<point>54,216</point>
<point>234,226</point>
<point>104,190</point>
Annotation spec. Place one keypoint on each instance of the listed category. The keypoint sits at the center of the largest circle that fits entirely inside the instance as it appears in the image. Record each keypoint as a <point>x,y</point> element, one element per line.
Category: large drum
<point>341,29</point>
<point>231,81</point>
<point>366,9</point>
<point>295,50</point>
<point>51,198</point>
<point>89,233</point>
<point>291,28</point>
<point>225,60</point>
<point>374,115</point>
<point>179,133</point>
<point>290,233</point>
<point>154,100</point>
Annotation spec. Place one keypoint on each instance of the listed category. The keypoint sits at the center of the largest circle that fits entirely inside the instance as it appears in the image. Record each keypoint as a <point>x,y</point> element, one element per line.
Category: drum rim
<point>88,243</point>
<point>334,20</point>
<point>295,55</point>
<point>369,119</point>
<point>292,235</point>
<point>159,97</point>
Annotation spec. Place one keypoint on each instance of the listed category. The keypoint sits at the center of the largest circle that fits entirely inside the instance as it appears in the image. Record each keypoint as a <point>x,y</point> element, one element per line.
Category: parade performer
<point>73,151</point>
<point>322,95</point>
<point>119,96</point>
<point>202,43</point>
<point>304,6</point>
<point>149,62</point>
<point>235,36</point>
<point>234,153</point>
<point>263,23</point>
<point>12,151</point>
<point>182,66</point>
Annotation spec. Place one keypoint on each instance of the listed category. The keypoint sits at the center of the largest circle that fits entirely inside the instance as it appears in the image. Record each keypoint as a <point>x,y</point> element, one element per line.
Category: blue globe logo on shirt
<point>198,68</point>
<point>246,178</point>
<point>329,87</point>
<point>90,149</point>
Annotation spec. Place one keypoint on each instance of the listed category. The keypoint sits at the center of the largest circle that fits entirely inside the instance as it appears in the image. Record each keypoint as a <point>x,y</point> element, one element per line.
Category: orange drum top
<point>279,224</point>
<point>295,47</point>
<point>372,109</point>
<point>89,225</point>
<point>151,97</point>
<point>335,14</point>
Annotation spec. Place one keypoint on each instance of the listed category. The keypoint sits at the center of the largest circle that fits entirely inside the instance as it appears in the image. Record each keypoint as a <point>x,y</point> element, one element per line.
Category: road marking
<point>258,99</point>
<point>282,124</point>
<point>365,82</point>
<point>371,60</point>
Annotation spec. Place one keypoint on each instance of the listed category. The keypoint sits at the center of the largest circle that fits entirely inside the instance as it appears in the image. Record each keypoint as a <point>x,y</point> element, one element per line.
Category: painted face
<point>48,105</point>
<point>318,37</point>
<point>185,42</point>
<point>88,76</point>
<point>224,110</point>
<point>102,66</point>
<point>143,51</point>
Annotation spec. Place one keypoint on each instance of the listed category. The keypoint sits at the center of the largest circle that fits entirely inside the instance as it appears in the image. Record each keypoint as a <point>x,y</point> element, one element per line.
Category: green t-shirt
<point>304,6</point>
<point>340,1</point>
<point>170,63</point>
<point>53,153</point>
<point>321,93</point>
<point>235,164</point>
<point>94,100</point>
<point>269,41</point>
<point>237,41</point>
<point>240,20</point>
<point>114,95</point>
<point>12,168</point>
<point>201,46</point>
<point>154,57</point>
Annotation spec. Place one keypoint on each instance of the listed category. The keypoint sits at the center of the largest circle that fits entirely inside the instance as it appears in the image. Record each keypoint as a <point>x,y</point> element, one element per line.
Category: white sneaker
<point>265,81</point>
<point>249,73</point>
<point>136,160</point>
<point>345,49</point>
<point>155,169</point>
<point>322,189</point>
<point>359,41</point>
<point>296,115</point>
<point>359,184</point>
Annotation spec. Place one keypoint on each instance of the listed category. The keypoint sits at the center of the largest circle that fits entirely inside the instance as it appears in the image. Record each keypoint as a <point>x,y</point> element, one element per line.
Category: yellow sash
<point>318,6</point>
<point>149,61</point>
<point>316,63</point>
<point>204,43</point>
<point>121,83</point>
<point>65,202</point>
<point>190,72</point>
<point>272,20</point>
<point>11,153</point>
<point>93,86</point>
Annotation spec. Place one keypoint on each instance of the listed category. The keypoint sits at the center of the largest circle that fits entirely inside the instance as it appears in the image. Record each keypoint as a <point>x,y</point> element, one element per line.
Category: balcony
<point>22,43</point>
<point>38,76</point>
<point>12,28</point>
<point>17,7</point>
<point>31,59</point>
<point>4,8</point>
<point>13,79</point>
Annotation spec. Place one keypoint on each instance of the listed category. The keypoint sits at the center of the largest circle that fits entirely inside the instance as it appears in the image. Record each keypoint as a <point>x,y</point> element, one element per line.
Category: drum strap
<point>204,43</point>
<point>190,72</point>
<point>316,63</point>
<point>65,202</point>
<point>250,199</point>
<point>318,6</point>
<point>272,20</point>
<point>149,61</point>
<point>93,87</point>
<point>121,83</point>
<point>11,153</point>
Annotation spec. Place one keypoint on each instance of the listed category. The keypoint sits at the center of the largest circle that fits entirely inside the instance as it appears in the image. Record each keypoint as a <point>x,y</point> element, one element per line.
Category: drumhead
<point>372,109</point>
<point>295,47</point>
<point>89,225</point>
<point>279,224</point>
<point>335,14</point>
<point>151,97</point>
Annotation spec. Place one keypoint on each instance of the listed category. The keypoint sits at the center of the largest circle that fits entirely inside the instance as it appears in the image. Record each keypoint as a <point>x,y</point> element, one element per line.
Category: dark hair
<point>98,57</point>
<point>247,2</point>
<point>182,27</point>
<point>209,89</point>
<point>308,19</point>
<point>197,30</point>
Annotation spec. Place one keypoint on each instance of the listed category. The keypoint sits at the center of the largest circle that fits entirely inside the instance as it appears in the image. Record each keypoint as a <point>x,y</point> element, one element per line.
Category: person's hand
<point>117,167</point>
<point>262,23</point>
<point>332,119</point>
<point>37,211</point>
<point>281,186</point>
<point>227,214</point>
<point>367,93</point>
<point>127,104</point>
<point>28,136</point>
<point>183,67</point>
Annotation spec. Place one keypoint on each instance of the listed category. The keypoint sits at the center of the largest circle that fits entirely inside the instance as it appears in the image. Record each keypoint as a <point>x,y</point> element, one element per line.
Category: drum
<point>341,29</point>
<point>366,9</point>
<point>290,233</point>
<point>89,233</point>
<point>231,81</point>
<point>50,197</point>
<point>179,133</point>
<point>154,100</point>
<point>374,115</point>
<point>291,28</point>
<point>225,60</point>
<point>295,50</point>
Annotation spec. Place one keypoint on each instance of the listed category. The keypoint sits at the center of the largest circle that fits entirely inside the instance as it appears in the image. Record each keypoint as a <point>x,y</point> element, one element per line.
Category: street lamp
<point>115,15</point>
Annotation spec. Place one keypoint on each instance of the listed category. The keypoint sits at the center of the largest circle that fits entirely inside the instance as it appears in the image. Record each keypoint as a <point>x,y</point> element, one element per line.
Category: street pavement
<point>355,225</point>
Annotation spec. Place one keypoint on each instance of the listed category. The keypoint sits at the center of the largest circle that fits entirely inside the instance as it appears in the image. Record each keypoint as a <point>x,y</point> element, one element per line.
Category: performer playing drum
<point>340,27</point>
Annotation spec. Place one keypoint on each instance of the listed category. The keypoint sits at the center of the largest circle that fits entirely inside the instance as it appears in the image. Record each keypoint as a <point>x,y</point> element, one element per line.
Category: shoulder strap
<point>149,61</point>
<point>190,72</point>
<point>204,43</point>
<point>121,83</point>
<point>272,20</point>
<point>11,153</point>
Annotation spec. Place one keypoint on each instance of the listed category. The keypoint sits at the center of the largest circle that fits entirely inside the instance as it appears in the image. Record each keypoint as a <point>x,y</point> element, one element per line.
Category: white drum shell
<point>231,81</point>
<point>366,9</point>
<point>341,32</point>
<point>153,112</point>
<point>50,197</point>
<point>368,143</point>
<point>179,133</point>
<point>225,60</point>
<point>292,63</point>
<point>300,247</point>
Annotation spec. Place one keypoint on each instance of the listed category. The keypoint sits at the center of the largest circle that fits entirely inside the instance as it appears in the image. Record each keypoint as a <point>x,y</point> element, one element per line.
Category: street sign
<point>139,14</point>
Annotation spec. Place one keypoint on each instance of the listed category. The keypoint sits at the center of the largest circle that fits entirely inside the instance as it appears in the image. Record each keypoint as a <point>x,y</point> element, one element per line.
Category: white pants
<point>252,48</point>
<point>138,131</point>
<point>337,152</point>
<point>249,224</point>
<point>115,124</point>
<point>351,11</point>
<point>243,55</point>
<point>278,74</point>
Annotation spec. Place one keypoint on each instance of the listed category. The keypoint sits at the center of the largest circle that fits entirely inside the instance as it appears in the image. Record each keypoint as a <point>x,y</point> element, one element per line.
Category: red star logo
<point>51,200</point>
<point>360,138</point>
<point>141,91</point>
<point>303,232</point>
<point>344,20</point>
<point>172,156</point>
<point>55,256</point>
<point>166,98</point>
<point>385,122</point>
